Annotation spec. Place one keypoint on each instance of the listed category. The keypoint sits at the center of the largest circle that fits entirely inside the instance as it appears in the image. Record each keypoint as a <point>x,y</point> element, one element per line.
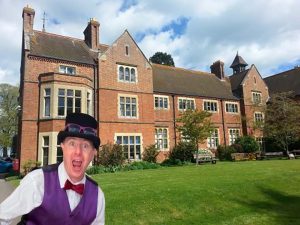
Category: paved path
<point>6,188</point>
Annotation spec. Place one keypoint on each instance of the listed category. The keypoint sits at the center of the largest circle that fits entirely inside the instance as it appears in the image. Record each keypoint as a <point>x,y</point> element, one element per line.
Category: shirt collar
<point>63,176</point>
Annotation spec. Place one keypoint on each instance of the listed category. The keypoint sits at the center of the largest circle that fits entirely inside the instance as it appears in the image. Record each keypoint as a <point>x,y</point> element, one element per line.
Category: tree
<point>282,121</point>
<point>195,125</point>
<point>8,115</point>
<point>162,58</point>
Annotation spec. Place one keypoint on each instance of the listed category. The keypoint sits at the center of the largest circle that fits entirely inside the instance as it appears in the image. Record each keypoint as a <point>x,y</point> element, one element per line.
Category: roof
<point>173,80</point>
<point>238,60</point>
<point>61,47</point>
<point>237,79</point>
<point>285,81</point>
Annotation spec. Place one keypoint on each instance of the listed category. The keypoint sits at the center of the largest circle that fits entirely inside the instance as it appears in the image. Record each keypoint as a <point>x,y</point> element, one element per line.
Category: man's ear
<point>95,152</point>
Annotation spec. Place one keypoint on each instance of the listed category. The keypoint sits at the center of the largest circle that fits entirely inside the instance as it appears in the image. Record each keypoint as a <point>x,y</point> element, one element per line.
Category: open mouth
<point>77,164</point>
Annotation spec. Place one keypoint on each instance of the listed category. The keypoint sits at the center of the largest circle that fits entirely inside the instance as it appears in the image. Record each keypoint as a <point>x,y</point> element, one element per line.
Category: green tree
<point>8,115</point>
<point>282,121</point>
<point>248,144</point>
<point>196,126</point>
<point>162,58</point>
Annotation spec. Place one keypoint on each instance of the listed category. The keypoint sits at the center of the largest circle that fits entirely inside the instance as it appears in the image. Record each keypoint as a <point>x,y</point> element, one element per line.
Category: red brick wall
<point>254,82</point>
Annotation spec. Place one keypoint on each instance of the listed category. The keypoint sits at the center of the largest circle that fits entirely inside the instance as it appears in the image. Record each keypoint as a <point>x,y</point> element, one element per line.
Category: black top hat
<point>80,125</point>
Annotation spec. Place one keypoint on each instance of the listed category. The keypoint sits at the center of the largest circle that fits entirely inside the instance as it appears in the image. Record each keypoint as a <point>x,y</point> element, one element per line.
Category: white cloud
<point>266,33</point>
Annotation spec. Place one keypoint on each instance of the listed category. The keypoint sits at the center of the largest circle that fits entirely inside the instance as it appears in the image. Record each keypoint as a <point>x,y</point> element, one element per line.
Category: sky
<point>195,32</point>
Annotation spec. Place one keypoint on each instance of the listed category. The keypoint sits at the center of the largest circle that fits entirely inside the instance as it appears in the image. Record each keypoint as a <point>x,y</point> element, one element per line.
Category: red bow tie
<point>79,188</point>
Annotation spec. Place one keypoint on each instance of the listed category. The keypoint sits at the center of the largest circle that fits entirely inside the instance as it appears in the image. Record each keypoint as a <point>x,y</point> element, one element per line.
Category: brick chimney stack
<point>218,69</point>
<point>91,34</point>
<point>28,19</point>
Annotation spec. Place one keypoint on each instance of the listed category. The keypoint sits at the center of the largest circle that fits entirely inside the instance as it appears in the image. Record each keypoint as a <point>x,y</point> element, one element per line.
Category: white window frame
<point>213,106</point>
<point>188,101</point>
<point>130,76</point>
<point>47,100</point>
<point>256,97</point>
<point>131,106</point>
<point>164,99</point>
<point>67,69</point>
<point>233,134</point>
<point>135,157</point>
<point>45,146</point>
<point>66,97</point>
<point>214,139</point>
<point>258,117</point>
<point>162,138</point>
<point>233,107</point>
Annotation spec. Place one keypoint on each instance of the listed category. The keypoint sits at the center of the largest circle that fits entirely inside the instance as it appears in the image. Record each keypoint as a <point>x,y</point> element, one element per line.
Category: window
<point>126,50</point>
<point>161,138</point>
<point>186,103</point>
<point>88,103</point>
<point>210,106</point>
<point>258,117</point>
<point>128,107</point>
<point>67,69</point>
<point>47,95</point>
<point>259,140</point>
<point>68,101</point>
<point>161,102</point>
<point>127,74</point>
<point>213,140</point>
<point>232,107</point>
<point>45,148</point>
<point>131,145</point>
<point>59,154</point>
<point>256,97</point>
<point>233,135</point>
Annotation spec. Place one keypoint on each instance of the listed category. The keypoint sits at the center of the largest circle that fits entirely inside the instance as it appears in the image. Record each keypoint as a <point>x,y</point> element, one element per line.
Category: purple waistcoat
<point>55,209</point>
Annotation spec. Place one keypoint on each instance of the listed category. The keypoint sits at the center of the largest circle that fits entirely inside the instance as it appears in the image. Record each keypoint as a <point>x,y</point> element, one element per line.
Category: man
<point>61,194</point>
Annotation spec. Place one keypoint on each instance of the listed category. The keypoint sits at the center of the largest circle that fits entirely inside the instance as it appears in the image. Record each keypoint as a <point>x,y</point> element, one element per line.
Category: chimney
<point>218,69</point>
<point>28,19</point>
<point>91,34</point>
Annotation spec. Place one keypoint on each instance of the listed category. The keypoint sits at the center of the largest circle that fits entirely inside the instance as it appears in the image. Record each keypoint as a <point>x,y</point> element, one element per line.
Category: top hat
<point>82,126</point>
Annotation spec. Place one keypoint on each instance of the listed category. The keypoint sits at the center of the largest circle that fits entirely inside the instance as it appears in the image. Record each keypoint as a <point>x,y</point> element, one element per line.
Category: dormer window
<point>67,69</point>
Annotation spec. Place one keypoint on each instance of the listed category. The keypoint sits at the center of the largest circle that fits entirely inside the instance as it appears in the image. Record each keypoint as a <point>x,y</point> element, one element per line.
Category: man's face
<point>77,154</point>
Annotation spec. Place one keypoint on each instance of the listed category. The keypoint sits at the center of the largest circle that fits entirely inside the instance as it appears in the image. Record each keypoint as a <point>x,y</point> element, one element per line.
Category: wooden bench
<point>296,153</point>
<point>272,155</point>
<point>205,157</point>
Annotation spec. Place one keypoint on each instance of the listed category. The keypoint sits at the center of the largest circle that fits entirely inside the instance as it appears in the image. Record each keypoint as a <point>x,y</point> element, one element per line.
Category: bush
<point>111,155</point>
<point>184,151</point>
<point>30,165</point>
<point>224,152</point>
<point>140,165</point>
<point>248,144</point>
<point>150,154</point>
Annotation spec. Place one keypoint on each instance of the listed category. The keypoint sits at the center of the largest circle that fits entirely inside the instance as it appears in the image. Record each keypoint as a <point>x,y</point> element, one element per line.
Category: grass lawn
<point>240,193</point>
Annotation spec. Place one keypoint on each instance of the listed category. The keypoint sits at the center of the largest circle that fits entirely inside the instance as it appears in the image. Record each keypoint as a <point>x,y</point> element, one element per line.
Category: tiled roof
<point>285,81</point>
<point>237,78</point>
<point>60,47</point>
<point>172,80</point>
<point>238,60</point>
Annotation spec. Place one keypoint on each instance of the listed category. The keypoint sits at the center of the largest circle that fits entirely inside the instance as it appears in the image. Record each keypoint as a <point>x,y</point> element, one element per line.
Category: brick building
<point>135,102</point>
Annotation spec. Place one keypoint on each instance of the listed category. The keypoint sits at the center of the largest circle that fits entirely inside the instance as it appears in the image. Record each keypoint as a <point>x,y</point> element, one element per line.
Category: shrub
<point>248,144</point>
<point>140,165</point>
<point>224,152</point>
<point>150,154</point>
<point>184,151</point>
<point>111,155</point>
<point>30,165</point>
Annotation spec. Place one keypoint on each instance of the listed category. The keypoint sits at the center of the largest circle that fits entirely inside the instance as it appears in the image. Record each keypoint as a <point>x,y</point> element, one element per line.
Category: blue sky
<point>195,32</point>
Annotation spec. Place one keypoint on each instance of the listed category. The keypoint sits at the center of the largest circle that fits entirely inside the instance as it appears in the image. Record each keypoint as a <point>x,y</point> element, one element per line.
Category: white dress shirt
<point>29,195</point>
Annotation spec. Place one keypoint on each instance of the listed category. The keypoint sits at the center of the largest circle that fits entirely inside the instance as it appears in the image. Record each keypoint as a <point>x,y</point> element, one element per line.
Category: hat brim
<point>63,134</point>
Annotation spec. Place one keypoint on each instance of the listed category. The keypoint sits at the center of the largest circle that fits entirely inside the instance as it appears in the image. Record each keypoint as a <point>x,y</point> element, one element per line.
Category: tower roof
<point>238,60</point>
